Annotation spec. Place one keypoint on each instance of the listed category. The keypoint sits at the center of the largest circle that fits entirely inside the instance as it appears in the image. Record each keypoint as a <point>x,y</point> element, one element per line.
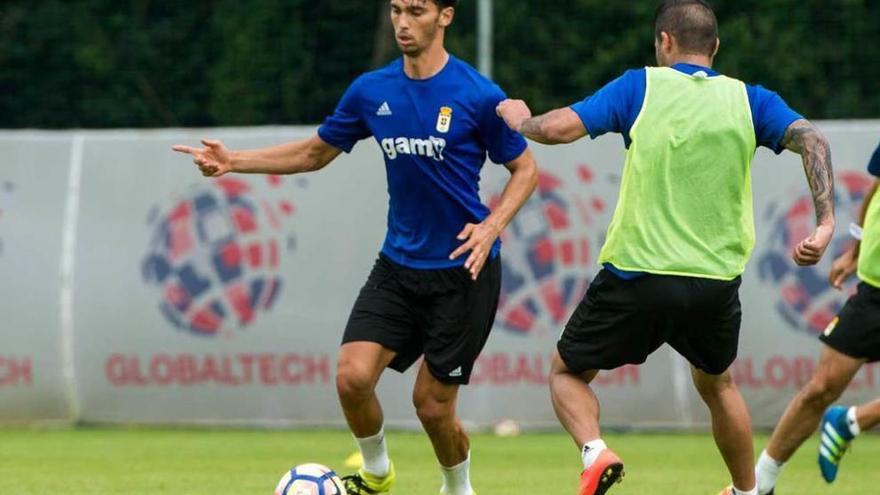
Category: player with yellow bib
<point>851,340</point>
<point>682,231</point>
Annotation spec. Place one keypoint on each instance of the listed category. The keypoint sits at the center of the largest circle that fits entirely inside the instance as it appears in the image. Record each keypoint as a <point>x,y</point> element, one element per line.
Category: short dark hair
<point>691,22</point>
<point>446,3</point>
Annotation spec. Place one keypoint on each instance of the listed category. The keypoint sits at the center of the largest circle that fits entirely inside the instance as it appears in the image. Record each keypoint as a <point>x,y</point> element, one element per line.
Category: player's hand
<point>478,239</point>
<point>514,113</point>
<point>213,160</point>
<point>809,251</point>
<point>842,268</point>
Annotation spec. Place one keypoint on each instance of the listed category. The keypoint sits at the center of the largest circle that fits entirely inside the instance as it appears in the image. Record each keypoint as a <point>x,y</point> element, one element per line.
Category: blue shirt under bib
<point>874,164</point>
<point>615,107</point>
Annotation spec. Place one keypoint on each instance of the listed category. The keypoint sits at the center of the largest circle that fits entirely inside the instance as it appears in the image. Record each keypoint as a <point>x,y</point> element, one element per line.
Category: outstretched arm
<point>296,157</point>
<point>804,138</point>
<point>479,238</point>
<point>558,126</point>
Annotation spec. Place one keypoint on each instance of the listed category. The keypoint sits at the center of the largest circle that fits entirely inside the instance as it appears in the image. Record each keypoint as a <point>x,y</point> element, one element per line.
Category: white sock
<point>591,450</point>
<point>457,479</point>
<point>767,471</point>
<point>853,422</point>
<point>753,491</point>
<point>375,453</point>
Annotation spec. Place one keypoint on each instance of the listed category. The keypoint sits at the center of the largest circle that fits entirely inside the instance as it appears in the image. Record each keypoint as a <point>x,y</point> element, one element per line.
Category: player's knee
<point>557,366</point>
<point>559,370</point>
<point>712,386</point>
<point>433,411</point>
<point>353,382</point>
<point>821,392</point>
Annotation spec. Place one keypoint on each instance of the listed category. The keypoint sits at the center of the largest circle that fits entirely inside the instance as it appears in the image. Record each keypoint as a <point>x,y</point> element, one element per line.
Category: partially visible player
<point>434,289</point>
<point>851,340</point>
<point>682,232</point>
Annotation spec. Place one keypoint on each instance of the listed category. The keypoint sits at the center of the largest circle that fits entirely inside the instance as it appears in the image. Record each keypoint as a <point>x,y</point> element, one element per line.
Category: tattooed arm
<point>804,138</point>
<point>555,127</point>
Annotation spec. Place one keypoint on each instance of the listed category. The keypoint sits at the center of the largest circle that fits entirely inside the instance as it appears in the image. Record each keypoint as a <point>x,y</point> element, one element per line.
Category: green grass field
<point>210,462</point>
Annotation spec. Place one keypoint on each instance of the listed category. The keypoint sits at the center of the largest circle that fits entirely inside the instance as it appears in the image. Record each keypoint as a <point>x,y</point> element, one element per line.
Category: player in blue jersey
<point>682,232</point>
<point>434,289</point>
<point>851,340</point>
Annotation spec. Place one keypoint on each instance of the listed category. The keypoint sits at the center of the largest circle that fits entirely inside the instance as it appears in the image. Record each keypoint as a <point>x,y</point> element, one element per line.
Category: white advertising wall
<point>133,289</point>
<point>33,189</point>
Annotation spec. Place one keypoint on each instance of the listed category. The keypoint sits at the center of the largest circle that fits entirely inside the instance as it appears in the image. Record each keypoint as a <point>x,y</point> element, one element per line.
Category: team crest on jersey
<point>444,119</point>
<point>831,326</point>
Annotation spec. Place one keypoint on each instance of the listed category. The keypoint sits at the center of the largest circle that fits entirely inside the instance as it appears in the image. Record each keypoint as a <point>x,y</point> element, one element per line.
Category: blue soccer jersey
<point>435,134</point>
<point>874,164</point>
<point>615,107</point>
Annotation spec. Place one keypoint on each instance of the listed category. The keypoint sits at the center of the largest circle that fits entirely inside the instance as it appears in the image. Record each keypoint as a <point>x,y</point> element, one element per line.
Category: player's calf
<point>868,415</point>
<point>435,403</point>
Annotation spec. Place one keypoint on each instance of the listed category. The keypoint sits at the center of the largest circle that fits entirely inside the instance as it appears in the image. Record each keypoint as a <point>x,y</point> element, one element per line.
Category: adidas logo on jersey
<point>384,110</point>
<point>456,372</point>
<point>432,147</point>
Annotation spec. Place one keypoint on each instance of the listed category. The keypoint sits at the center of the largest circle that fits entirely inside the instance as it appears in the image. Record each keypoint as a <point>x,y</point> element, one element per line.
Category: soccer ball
<point>507,428</point>
<point>310,479</point>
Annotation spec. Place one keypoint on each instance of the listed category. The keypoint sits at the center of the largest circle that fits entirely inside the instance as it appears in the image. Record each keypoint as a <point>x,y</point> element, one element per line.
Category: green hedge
<point>142,63</point>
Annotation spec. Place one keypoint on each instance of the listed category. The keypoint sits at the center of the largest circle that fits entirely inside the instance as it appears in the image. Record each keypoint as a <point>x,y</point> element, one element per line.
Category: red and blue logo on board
<point>216,252</point>
<point>550,248</point>
<point>807,301</point>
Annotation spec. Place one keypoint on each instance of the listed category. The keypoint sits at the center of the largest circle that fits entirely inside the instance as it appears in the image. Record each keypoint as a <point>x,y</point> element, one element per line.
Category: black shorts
<point>442,314</point>
<point>623,321</point>
<point>856,330</point>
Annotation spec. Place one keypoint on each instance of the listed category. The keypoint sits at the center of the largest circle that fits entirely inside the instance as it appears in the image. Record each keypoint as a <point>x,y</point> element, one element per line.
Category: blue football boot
<point>835,440</point>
